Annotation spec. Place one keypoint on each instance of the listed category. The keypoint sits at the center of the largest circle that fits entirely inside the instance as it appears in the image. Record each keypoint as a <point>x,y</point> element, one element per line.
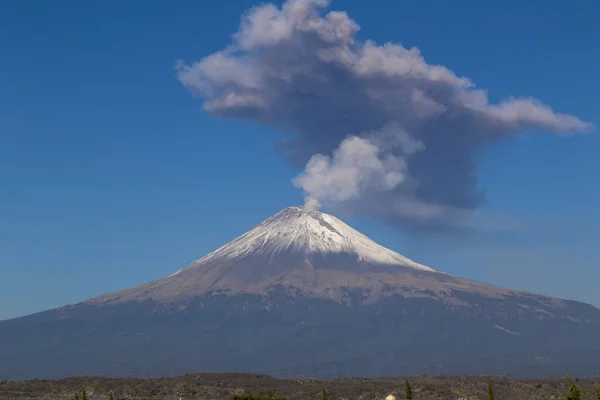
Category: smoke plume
<point>376,128</point>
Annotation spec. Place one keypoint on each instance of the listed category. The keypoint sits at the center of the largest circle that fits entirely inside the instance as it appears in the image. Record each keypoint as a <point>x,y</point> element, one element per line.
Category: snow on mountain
<point>294,230</point>
<point>306,252</point>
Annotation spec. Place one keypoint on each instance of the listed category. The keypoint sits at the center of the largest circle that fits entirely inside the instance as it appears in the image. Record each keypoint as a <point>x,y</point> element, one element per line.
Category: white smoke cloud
<point>357,165</point>
<point>300,69</point>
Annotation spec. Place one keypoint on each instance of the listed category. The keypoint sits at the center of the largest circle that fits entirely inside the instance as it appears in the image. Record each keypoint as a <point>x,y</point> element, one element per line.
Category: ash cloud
<point>376,128</point>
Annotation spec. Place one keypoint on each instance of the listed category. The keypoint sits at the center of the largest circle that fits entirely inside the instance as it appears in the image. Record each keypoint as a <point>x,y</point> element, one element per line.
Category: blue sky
<point>112,174</point>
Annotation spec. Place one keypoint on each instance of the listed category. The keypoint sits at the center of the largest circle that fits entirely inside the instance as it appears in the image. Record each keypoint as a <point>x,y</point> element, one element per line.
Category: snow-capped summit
<point>307,252</point>
<point>310,233</point>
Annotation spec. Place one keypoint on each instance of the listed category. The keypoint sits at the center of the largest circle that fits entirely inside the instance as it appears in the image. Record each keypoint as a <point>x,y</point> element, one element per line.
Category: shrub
<point>408,390</point>
<point>490,391</point>
<point>574,393</point>
<point>249,396</point>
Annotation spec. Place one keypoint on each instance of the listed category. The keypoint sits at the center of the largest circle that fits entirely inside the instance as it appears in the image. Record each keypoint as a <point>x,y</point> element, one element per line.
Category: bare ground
<point>223,385</point>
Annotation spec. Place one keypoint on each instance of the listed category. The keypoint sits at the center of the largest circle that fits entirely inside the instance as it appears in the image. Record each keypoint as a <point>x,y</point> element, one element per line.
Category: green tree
<point>83,394</point>
<point>110,396</point>
<point>597,391</point>
<point>490,391</point>
<point>324,396</point>
<point>408,390</point>
<point>574,393</point>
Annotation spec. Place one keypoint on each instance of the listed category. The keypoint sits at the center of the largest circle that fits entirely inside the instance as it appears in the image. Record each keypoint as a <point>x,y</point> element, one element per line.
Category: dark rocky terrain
<point>223,385</point>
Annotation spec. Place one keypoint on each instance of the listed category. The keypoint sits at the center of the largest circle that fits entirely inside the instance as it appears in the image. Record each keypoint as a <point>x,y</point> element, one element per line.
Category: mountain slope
<point>311,253</point>
<point>303,294</point>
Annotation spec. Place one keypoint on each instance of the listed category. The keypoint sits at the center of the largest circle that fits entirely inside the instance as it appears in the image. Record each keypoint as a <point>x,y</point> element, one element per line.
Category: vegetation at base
<point>408,390</point>
<point>490,391</point>
<point>264,396</point>
<point>574,392</point>
<point>229,386</point>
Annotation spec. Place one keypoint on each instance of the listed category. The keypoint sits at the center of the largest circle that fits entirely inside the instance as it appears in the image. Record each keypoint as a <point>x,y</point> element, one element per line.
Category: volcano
<point>304,294</point>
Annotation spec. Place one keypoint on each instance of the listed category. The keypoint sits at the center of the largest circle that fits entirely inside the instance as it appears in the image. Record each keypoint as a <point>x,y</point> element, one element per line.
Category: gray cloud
<point>351,111</point>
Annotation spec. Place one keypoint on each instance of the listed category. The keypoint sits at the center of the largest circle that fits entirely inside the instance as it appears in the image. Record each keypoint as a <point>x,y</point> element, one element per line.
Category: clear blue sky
<point>111,174</point>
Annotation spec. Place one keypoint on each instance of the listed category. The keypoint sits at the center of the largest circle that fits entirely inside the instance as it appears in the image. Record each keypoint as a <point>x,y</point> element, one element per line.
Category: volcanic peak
<point>294,230</point>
